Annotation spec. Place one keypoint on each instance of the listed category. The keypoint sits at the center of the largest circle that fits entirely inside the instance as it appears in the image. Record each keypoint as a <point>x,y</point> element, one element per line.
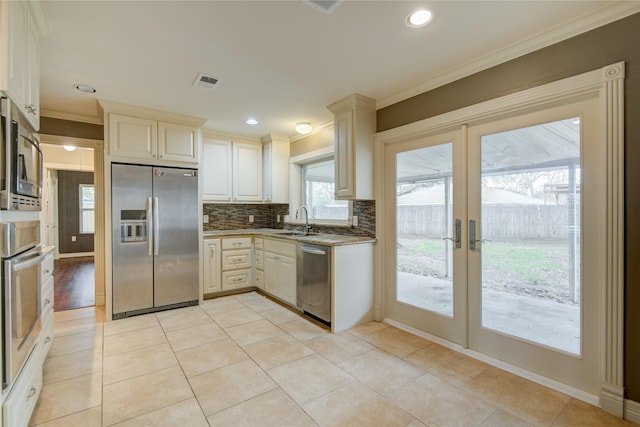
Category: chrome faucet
<point>307,227</point>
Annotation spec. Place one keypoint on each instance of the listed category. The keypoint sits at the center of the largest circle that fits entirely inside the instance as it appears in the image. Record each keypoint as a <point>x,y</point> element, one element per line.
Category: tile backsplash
<point>228,216</point>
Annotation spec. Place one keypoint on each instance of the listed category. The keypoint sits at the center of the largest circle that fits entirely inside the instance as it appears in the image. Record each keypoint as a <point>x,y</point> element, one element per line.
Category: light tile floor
<point>245,360</point>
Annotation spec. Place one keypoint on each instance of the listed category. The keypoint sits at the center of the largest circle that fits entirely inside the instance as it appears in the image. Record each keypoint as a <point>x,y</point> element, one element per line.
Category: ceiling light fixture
<point>85,88</point>
<point>419,18</point>
<point>251,122</point>
<point>69,147</point>
<point>303,128</point>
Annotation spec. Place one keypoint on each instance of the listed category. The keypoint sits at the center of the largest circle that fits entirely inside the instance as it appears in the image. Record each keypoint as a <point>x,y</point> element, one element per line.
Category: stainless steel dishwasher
<point>314,280</point>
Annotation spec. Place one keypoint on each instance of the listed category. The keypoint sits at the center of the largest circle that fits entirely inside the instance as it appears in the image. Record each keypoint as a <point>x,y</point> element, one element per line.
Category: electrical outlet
<point>205,219</point>
<point>278,220</point>
<point>354,221</point>
<point>250,218</point>
<point>73,238</point>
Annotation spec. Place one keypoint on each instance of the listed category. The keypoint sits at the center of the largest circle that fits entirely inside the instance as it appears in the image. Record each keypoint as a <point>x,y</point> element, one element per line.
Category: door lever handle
<point>472,236</point>
<point>458,232</point>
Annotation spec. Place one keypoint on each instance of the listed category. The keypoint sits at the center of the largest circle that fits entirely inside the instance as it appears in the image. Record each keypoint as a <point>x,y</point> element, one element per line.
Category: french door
<point>497,230</point>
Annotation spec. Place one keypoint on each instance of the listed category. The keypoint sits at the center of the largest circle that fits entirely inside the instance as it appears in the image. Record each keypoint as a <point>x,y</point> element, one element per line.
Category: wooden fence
<point>500,222</point>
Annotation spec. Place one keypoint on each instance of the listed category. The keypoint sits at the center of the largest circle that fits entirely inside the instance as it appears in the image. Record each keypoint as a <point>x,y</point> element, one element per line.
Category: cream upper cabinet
<point>211,265</point>
<point>231,170</point>
<point>247,172</point>
<point>275,172</point>
<point>142,138</point>
<point>178,143</point>
<point>21,24</point>
<point>354,127</point>
<point>149,136</point>
<point>133,137</point>
<point>216,170</point>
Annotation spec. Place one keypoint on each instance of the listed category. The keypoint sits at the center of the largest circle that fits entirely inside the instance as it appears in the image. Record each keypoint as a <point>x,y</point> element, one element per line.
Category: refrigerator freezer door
<point>176,246</point>
<point>131,188</point>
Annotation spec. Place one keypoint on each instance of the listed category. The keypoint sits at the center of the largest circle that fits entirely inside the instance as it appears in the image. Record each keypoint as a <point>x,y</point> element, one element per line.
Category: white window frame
<point>81,210</point>
<point>295,185</point>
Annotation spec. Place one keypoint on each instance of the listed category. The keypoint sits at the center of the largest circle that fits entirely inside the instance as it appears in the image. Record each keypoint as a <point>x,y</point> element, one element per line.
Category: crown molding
<point>557,34</point>
<point>95,120</point>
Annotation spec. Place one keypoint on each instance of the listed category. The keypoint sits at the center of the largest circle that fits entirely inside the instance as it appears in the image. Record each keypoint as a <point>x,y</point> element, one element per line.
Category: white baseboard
<point>76,255</point>
<point>539,379</point>
<point>632,411</point>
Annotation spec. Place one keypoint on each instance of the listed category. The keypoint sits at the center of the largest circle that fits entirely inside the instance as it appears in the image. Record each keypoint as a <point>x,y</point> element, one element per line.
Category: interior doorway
<point>68,223</point>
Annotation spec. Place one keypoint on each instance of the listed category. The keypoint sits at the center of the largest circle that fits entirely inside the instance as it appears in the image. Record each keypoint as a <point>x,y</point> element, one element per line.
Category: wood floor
<point>73,282</point>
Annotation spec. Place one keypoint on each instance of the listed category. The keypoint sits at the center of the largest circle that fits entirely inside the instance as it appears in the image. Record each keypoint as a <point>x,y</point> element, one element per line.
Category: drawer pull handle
<point>47,302</point>
<point>47,339</point>
<point>238,280</point>
<point>46,272</point>
<point>32,393</point>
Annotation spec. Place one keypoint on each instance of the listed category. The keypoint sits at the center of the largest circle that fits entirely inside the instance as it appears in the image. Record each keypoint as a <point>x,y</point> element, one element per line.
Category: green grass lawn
<point>538,269</point>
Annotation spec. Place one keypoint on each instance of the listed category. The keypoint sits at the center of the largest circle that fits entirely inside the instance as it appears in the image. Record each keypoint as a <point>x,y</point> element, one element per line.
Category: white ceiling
<point>283,62</point>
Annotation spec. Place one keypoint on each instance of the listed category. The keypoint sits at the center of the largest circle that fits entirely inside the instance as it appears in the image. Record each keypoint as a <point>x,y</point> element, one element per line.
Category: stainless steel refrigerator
<point>155,238</point>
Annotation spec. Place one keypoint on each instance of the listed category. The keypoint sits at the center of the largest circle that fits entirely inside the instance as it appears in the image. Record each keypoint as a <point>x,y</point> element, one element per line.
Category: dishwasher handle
<point>314,251</point>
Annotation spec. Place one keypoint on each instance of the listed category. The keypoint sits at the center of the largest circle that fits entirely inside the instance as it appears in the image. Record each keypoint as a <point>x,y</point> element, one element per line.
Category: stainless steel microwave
<point>20,161</point>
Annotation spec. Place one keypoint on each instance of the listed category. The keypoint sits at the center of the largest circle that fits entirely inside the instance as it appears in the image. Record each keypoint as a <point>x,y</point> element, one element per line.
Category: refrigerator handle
<point>150,225</point>
<point>156,226</point>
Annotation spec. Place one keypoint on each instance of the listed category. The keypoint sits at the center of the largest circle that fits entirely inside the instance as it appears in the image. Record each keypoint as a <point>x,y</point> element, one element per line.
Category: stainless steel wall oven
<point>21,265</point>
<point>20,161</point>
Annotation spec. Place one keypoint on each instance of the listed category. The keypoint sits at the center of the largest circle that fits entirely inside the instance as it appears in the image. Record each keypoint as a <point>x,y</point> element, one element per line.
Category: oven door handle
<point>29,262</point>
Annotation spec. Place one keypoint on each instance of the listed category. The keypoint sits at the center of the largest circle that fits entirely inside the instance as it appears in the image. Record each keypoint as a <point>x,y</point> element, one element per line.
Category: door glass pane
<point>531,217</point>
<point>424,194</point>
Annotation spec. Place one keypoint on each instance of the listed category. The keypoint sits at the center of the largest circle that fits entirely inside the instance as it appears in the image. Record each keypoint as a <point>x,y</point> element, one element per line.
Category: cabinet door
<point>211,264</point>
<point>132,137</point>
<point>287,279</point>
<point>17,60</point>
<point>216,170</point>
<point>344,152</point>
<point>247,172</point>
<point>32,78</point>
<point>178,143</point>
<point>267,183</point>
<point>270,273</point>
<point>275,183</point>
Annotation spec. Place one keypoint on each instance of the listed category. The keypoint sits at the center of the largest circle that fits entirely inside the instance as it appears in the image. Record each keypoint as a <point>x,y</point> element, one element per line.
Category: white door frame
<point>98,174</point>
<point>608,84</point>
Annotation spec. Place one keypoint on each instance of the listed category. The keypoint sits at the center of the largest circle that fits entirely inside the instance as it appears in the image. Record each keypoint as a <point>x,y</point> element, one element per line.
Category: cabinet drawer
<point>236,279</point>
<point>260,279</point>
<point>47,267</point>
<point>46,302</point>
<point>46,337</point>
<point>260,260</point>
<point>259,242</point>
<point>236,243</point>
<point>19,405</point>
<point>236,259</point>
<point>280,247</point>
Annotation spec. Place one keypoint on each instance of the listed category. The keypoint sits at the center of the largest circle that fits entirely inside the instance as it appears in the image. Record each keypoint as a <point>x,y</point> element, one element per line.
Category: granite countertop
<point>317,239</point>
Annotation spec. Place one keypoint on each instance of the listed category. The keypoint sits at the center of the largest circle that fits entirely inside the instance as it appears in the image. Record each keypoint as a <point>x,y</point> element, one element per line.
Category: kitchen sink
<point>292,233</point>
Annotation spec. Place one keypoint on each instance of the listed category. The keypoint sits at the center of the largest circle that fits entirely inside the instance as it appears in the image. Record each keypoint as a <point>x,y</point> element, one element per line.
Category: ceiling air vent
<point>327,6</point>
<point>206,82</point>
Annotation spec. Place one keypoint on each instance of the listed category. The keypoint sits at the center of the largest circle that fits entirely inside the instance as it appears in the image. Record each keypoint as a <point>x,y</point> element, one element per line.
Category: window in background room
<point>87,204</point>
<point>318,188</point>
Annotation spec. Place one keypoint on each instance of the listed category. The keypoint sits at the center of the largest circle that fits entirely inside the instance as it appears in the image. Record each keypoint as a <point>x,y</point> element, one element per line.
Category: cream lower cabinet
<point>259,251</point>
<point>280,270</point>
<point>237,263</point>
<point>211,266</point>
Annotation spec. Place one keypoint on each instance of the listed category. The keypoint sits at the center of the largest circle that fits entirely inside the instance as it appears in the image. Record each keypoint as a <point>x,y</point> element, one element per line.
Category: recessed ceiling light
<point>69,147</point>
<point>303,128</point>
<point>419,18</point>
<point>85,88</point>
<point>251,122</point>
